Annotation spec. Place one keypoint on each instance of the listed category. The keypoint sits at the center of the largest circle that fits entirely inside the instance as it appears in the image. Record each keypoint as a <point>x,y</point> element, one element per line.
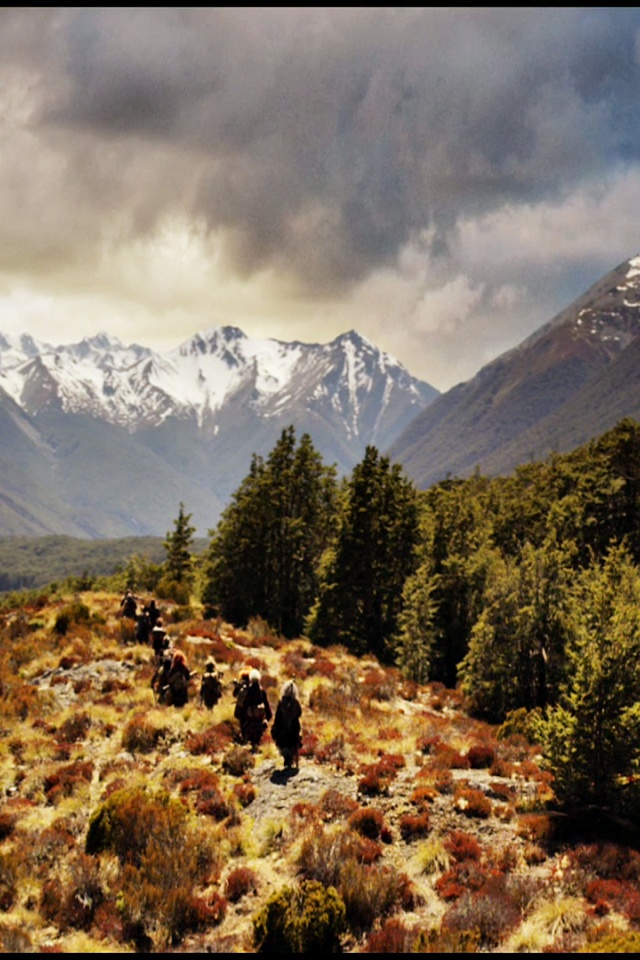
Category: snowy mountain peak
<point>215,370</point>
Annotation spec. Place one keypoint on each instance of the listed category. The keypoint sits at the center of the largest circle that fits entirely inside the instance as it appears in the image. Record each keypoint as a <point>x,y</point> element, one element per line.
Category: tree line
<point>523,591</point>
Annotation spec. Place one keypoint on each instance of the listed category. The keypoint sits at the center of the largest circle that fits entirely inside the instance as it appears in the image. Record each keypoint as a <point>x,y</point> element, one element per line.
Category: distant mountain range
<point>572,380</point>
<point>99,439</point>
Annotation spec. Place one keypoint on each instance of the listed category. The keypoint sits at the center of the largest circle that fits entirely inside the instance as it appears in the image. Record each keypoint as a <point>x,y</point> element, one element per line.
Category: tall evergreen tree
<point>516,651</point>
<point>264,553</point>
<point>591,737</point>
<point>179,562</point>
<point>363,576</point>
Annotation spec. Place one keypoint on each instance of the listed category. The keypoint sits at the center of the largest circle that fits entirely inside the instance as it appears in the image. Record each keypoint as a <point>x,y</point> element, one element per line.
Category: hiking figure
<point>178,680</point>
<point>252,710</point>
<point>285,731</point>
<point>211,686</point>
<point>158,636</point>
<point>129,606</point>
<point>160,679</point>
<point>143,628</point>
<point>152,613</point>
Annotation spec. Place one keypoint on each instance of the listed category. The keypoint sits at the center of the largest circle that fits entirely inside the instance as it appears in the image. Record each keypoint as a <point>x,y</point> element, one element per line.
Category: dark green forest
<point>523,591</point>
<point>27,563</point>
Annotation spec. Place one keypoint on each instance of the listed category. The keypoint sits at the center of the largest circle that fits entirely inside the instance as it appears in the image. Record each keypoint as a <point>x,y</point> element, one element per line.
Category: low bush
<point>305,919</point>
<point>367,821</point>
<point>140,735</point>
<point>237,761</point>
<point>64,781</point>
<point>472,803</point>
<point>239,883</point>
<point>393,937</point>
<point>414,826</point>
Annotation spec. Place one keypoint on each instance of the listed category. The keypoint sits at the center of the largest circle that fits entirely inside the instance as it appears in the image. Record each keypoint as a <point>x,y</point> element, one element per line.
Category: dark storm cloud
<point>320,141</point>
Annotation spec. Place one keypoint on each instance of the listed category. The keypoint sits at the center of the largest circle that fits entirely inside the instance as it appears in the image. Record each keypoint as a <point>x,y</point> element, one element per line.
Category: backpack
<point>179,686</point>
<point>256,711</point>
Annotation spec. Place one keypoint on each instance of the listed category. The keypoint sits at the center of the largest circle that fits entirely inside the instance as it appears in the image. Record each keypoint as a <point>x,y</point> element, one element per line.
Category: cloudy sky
<point>441,180</point>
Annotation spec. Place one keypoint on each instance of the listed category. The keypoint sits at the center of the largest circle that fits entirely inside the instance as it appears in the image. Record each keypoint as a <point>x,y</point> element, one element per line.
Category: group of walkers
<point>170,685</point>
<point>253,712</point>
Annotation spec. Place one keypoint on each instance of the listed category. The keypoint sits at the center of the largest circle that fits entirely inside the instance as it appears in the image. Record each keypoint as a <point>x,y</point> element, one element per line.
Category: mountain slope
<point>571,380</point>
<point>105,440</point>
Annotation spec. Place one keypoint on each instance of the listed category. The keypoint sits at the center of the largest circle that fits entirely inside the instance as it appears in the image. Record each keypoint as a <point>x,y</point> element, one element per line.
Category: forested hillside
<point>30,562</point>
<point>468,665</point>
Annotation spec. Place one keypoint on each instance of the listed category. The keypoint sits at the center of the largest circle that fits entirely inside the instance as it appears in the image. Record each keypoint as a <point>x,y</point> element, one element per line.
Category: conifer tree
<point>516,650</point>
<point>363,576</point>
<point>591,737</point>
<point>263,556</point>
<point>179,562</point>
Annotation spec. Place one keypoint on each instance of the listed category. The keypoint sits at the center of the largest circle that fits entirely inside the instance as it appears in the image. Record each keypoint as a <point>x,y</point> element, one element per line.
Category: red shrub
<point>413,826</point>
<point>239,883</point>
<point>473,803</point>
<point>393,937</point>
<point>480,756</point>
<point>334,804</point>
<point>244,792</point>
<point>367,821</point>
<point>462,846</point>
<point>64,780</point>
<point>215,739</point>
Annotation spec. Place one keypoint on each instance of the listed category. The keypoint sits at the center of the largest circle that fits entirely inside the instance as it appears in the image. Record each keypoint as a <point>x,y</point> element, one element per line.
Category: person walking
<point>286,725</point>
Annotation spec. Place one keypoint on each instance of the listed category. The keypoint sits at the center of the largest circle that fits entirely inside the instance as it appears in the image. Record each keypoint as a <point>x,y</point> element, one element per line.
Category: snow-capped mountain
<point>199,411</point>
<point>134,387</point>
<point>571,380</point>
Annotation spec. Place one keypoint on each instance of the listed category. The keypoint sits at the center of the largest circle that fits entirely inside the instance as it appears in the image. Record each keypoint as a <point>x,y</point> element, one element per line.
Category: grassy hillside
<point>30,562</point>
<point>127,826</point>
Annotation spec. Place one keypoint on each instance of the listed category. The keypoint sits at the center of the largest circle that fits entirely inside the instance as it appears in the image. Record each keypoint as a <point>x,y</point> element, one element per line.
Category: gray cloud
<point>316,143</point>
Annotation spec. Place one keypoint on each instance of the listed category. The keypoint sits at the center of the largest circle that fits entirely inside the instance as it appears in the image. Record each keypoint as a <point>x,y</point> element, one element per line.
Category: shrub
<point>372,891</point>
<point>473,803</point>
<point>237,761</point>
<point>72,613</point>
<point>212,741</point>
<point>239,883</point>
<point>162,861</point>
<point>74,728</point>
<point>306,919</point>
<point>481,756</point>
<point>413,826</point>
<point>379,775</point>
<point>64,781</point>
<point>628,942</point>
<point>130,818</point>
<point>140,735</point>
<point>367,821</point>
<point>462,846</point>
<point>393,937</point>
<point>9,870</point>
<point>334,804</point>
<point>245,792</point>
<point>490,912</point>
<point>323,854</point>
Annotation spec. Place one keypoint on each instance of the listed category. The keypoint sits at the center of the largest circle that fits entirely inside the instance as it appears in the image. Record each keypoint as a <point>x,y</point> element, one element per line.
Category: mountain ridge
<point>112,437</point>
<point>565,383</point>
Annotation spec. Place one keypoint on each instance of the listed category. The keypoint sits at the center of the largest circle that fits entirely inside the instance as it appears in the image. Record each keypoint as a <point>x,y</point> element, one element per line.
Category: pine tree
<point>591,737</point>
<point>263,556</point>
<point>179,562</point>
<point>516,650</point>
<point>363,576</point>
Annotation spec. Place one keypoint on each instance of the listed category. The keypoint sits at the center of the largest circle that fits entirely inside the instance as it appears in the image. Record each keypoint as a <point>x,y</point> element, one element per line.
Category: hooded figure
<point>178,680</point>
<point>210,687</point>
<point>253,711</point>
<point>286,725</point>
